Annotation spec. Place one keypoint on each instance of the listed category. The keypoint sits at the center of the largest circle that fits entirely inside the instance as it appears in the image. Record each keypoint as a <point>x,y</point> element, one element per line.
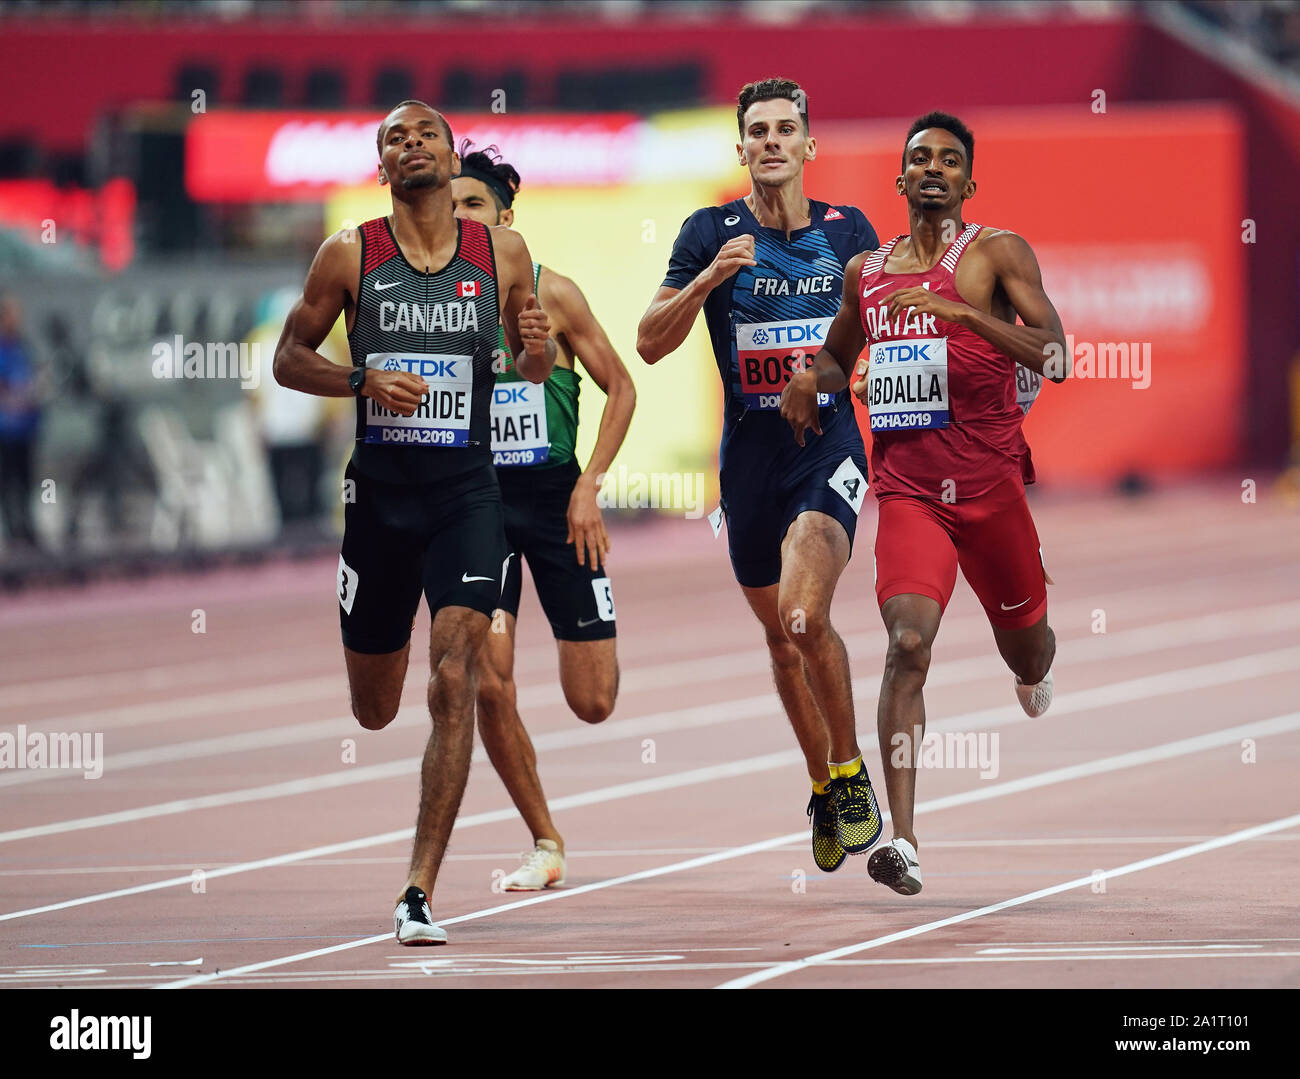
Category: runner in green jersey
<point>552,520</point>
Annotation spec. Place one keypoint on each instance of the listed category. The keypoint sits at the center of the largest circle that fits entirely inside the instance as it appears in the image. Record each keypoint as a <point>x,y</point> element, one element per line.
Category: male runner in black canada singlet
<point>767,271</point>
<point>423,294</point>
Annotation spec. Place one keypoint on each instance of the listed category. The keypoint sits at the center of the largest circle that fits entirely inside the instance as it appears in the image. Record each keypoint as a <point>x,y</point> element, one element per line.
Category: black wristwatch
<point>356,380</point>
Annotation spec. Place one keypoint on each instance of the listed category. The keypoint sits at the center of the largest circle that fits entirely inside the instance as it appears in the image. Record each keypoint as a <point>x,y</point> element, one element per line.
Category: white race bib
<point>442,418</point>
<point>1028,384</point>
<point>907,384</point>
<point>766,353</point>
<point>519,434</point>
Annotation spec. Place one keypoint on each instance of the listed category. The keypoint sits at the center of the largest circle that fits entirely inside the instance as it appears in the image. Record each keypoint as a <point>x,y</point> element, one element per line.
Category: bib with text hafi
<point>519,432</point>
<point>768,353</point>
<point>907,384</point>
<point>442,418</point>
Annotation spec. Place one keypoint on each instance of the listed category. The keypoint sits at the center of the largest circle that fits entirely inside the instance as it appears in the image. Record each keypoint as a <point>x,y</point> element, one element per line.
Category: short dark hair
<point>488,162</point>
<point>771,90</point>
<point>945,122</point>
<point>446,127</point>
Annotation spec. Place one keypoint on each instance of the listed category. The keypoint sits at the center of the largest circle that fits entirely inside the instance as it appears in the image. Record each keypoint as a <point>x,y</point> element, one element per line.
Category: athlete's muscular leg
<point>589,676</point>
<point>1029,652</point>
<point>375,682</point>
<point>792,686</point>
<point>454,643</point>
<point>911,622</point>
<point>504,738</point>
<point>813,555</point>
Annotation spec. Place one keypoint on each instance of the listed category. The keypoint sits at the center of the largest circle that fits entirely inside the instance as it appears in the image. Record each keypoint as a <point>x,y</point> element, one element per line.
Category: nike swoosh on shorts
<point>1020,604</point>
<point>465,578</point>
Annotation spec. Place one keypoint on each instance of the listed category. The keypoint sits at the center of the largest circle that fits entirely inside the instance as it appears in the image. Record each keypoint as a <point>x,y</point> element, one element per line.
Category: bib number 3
<point>347,585</point>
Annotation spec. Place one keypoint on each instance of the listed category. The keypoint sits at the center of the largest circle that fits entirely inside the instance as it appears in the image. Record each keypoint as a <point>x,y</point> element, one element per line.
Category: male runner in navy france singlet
<point>422,294</point>
<point>767,271</point>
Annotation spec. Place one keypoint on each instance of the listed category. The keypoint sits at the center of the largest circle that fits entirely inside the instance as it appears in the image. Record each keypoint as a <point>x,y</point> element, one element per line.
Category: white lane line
<point>676,719</point>
<point>1117,948</point>
<point>95,977</point>
<point>141,679</point>
<point>640,852</point>
<point>222,702</point>
<point>1123,692</point>
<point>1155,637</point>
<point>364,774</point>
<point>619,791</point>
<point>1167,751</point>
<point>695,717</point>
<point>432,969</point>
<point>1151,637</point>
<point>1191,941</point>
<point>776,971</point>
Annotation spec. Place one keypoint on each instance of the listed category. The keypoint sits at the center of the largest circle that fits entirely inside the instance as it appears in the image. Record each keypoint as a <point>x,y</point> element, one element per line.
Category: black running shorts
<point>444,539</point>
<point>578,600</point>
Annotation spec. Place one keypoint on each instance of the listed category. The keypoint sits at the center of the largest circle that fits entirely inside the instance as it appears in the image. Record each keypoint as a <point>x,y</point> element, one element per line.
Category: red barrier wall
<point>1130,256</point>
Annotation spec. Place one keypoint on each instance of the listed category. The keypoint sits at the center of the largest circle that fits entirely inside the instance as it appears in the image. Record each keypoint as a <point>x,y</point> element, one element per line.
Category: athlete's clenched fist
<point>534,328</point>
<point>731,256</point>
<point>397,391</point>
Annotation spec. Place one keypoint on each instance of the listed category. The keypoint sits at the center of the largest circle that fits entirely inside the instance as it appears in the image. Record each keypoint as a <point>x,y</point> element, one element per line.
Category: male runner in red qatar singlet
<point>949,464</point>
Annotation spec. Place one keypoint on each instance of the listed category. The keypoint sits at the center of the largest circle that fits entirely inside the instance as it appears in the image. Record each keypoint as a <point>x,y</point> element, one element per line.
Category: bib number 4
<point>848,482</point>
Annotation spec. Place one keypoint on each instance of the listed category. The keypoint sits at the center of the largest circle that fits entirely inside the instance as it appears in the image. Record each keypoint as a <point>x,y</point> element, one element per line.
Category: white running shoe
<point>1035,699</point>
<point>413,920</point>
<point>895,865</point>
<point>543,866</point>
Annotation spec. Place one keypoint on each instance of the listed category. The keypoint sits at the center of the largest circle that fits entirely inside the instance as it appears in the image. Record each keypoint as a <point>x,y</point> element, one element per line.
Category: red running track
<point>1141,834</point>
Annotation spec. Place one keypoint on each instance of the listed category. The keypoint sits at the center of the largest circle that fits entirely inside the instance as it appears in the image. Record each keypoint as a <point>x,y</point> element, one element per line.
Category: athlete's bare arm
<point>672,312</point>
<point>528,330</point>
<point>588,342</point>
<point>1042,338</point>
<point>328,290</point>
<point>829,370</point>
<point>1038,343</point>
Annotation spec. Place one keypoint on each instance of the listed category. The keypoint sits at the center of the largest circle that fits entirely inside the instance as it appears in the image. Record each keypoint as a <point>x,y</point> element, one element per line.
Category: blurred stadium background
<point>168,169</point>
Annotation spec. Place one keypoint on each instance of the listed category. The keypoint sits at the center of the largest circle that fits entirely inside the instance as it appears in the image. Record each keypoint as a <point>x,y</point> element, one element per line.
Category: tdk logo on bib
<point>768,353</point>
<point>509,395</point>
<point>792,333</point>
<point>428,367</point>
<point>908,351</point>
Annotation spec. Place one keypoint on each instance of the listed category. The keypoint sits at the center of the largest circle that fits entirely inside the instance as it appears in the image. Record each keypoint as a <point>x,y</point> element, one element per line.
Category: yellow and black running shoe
<point>827,852</point>
<point>857,816</point>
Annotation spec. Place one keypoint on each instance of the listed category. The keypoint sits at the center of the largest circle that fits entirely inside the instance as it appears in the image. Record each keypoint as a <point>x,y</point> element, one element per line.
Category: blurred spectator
<point>20,422</point>
<point>1272,27</point>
